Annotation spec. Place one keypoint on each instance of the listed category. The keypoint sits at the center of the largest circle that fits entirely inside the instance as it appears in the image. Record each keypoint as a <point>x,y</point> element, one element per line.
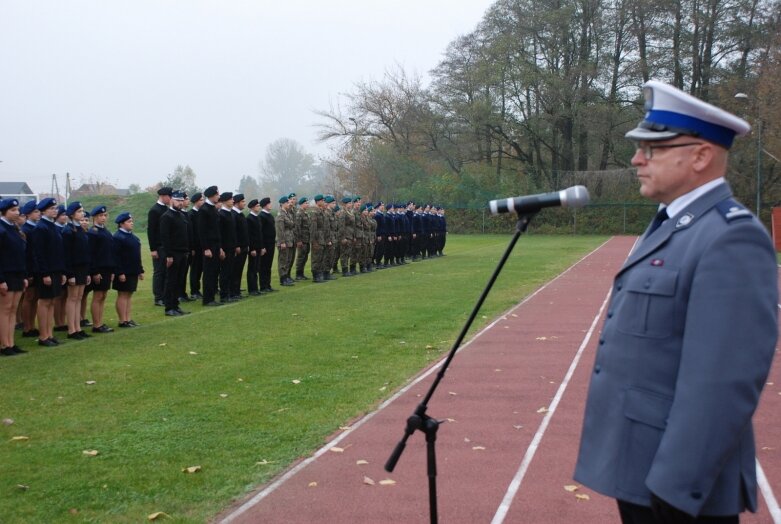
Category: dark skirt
<point>129,285</point>
<point>80,272</point>
<point>105,281</point>
<point>15,281</point>
<point>51,291</point>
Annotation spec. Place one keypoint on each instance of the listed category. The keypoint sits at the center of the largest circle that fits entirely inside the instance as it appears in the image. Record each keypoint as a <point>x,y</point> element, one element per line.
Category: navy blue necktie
<point>660,217</point>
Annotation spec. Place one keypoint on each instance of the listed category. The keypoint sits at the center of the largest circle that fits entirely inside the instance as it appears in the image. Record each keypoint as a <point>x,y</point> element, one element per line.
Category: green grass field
<point>216,388</point>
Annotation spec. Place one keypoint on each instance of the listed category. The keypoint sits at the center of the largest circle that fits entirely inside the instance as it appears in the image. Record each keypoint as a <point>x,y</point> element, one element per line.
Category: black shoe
<point>52,339</point>
<point>102,329</point>
<point>172,313</point>
<point>133,323</point>
<point>60,328</point>
<point>179,310</point>
<point>84,334</point>
<point>159,303</point>
<point>196,296</point>
<point>76,336</point>
<point>287,283</point>
<point>31,333</point>
<point>255,293</point>
<point>17,350</point>
<point>19,326</point>
<point>213,304</point>
<point>7,352</point>
<point>85,323</point>
<point>125,325</point>
<point>49,343</point>
<point>185,298</point>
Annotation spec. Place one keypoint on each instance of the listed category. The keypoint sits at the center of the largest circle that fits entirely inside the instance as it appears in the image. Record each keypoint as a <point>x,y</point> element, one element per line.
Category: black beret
<point>238,197</point>
<point>165,191</point>
<point>211,191</point>
<point>228,195</point>
<point>265,201</point>
<point>196,197</point>
<point>252,203</point>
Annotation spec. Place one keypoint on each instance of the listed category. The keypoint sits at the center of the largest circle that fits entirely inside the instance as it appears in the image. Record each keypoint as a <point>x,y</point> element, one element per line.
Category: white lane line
<point>767,493</point>
<point>271,488</point>
<point>515,484</point>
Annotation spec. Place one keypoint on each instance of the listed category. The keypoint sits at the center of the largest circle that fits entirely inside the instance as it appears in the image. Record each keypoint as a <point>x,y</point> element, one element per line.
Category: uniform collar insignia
<point>684,220</point>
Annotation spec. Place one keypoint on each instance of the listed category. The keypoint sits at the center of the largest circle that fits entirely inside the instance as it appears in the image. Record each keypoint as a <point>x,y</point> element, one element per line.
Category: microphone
<point>575,196</point>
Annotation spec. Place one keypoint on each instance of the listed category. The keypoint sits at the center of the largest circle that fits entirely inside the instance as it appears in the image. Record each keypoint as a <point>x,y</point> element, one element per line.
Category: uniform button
<point>610,314</point>
<point>597,369</point>
<point>696,495</point>
<point>602,341</point>
<point>618,286</point>
<point>647,285</point>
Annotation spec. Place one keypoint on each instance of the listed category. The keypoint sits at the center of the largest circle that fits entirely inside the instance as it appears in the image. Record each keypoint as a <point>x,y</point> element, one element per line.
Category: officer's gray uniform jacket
<point>685,350</point>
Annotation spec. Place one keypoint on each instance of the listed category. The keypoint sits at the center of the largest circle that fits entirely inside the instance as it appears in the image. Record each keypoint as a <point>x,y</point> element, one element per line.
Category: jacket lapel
<point>683,220</point>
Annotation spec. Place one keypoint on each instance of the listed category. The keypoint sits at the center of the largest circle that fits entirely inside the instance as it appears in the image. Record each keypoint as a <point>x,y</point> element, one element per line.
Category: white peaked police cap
<point>671,112</point>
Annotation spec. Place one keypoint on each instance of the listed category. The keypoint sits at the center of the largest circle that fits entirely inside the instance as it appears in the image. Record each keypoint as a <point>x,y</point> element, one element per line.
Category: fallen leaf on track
<point>571,488</point>
<point>337,450</point>
<point>542,410</point>
<point>312,485</point>
<point>387,482</point>
<point>367,480</point>
<point>452,393</point>
<point>361,462</point>
<point>582,496</point>
<point>478,448</point>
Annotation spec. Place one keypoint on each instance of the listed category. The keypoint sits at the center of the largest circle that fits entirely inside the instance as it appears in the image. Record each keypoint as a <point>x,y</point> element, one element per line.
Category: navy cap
<point>123,217</point>
<point>224,197</point>
<point>86,214</point>
<point>97,210</point>
<point>302,200</point>
<point>72,208</point>
<point>46,203</point>
<point>252,203</point>
<point>29,207</point>
<point>211,191</point>
<point>670,112</point>
<point>178,195</point>
<point>283,199</point>
<point>390,206</point>
<point>8,203</point>
<point>165,191</point>
<point>264,201</point>
<point>60,210</point>
<point>196,197</point>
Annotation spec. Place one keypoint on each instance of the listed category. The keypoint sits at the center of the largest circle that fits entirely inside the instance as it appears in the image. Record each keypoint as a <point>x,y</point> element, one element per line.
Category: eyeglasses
<point>648,150</point>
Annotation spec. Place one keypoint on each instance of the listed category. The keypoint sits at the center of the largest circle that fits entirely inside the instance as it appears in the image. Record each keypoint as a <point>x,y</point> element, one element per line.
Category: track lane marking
<point>767,494</point>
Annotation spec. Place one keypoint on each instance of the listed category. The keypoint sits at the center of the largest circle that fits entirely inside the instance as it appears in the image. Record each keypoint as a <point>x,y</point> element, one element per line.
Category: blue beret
<point>29,207</point>
<point>302,200</point>
<point>86,214</point>
<point>46,203</point>
<point>97,210</point>
<point>390,206</point>
<point>671,112</point>
<point>123,217</point>
<point>329,199</point>
<point>60,210</point>
<point>72,208</point>
<point>283,199</point>
<point>8,203</point>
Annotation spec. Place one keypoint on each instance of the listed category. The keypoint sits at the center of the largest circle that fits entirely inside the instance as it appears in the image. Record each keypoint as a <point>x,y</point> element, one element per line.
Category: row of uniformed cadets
<point>50,259</point>
<point>215,240</point>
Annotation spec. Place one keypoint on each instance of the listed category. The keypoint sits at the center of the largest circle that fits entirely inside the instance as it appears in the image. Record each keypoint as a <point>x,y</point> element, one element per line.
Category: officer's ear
<point>706,157</point>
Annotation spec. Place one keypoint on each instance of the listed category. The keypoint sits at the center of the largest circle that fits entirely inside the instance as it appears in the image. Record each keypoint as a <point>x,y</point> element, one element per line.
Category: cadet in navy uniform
<point>103,266</point>
<point>77,264</point>
<point>690,332</point>
<point>196,251</point>
<point>48,268</point>
<point>176,244</point>
<point>242,241</point>
<point>30,297</point>
<point>229,244</point>
<point>209,231</point>
<point>269,232</point>
<point>256,249</point>
<point>153,233</point>
<point>13,273</point>
<point>127,252</point>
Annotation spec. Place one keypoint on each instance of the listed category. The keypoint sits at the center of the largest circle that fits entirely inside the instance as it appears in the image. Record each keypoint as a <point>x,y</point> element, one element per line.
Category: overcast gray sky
<point>128,89</point>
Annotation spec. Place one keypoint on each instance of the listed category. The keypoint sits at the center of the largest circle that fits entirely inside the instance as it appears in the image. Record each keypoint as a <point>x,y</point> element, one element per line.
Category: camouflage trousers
<point>285,261</point>
<point>302,255</point>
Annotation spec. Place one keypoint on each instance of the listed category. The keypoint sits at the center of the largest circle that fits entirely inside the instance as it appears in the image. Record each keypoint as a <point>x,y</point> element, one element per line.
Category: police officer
<point>690,334</point>
<point>302,237</point>
<point>211,244</point>
<point>153,234</point>
<point>286,239</point>
<point>176,244</point>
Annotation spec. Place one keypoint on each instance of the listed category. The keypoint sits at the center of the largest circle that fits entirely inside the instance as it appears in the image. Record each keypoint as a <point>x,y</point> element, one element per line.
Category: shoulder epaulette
<point>731,210</point>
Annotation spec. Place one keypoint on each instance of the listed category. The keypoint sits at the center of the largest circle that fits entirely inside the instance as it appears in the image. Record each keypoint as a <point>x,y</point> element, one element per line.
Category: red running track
<point>513,399</point>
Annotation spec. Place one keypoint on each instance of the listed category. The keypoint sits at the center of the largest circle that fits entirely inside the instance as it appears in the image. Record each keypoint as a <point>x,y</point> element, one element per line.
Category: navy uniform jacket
<point>379,216</point>
<point>268,229</point>
<point>227,230</point>
<point>153,226</point>
<point>683,355</point>
<point>127,252</point>
<point>254,233</point>
<point>242,233</point>
<point>48,253</point>
<point>209,228</point>
<point>13,250</point>
<point>195,239</point>
<point>76,246</point>
<point>101,245</point>
<point>27,229</point>
<point>173,232</point>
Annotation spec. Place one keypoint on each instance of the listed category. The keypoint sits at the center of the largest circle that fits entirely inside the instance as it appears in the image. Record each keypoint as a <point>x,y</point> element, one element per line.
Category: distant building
<point>97,189</point>
<point>18,190</point>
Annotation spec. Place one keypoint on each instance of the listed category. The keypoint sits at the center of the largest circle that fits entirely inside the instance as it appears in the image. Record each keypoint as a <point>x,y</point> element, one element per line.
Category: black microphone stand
<point>419,419</point>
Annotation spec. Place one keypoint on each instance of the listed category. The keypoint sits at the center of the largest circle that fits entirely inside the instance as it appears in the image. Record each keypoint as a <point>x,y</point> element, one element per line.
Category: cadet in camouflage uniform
<point>338,212</point>
<point>362,237</point>
<point>332,232</point>
<point>319,239</point>
<point>286,239</point>
<point>347,236</point>
<point>293,212</point>
<point>372,237</point>
<point>302,237</point>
